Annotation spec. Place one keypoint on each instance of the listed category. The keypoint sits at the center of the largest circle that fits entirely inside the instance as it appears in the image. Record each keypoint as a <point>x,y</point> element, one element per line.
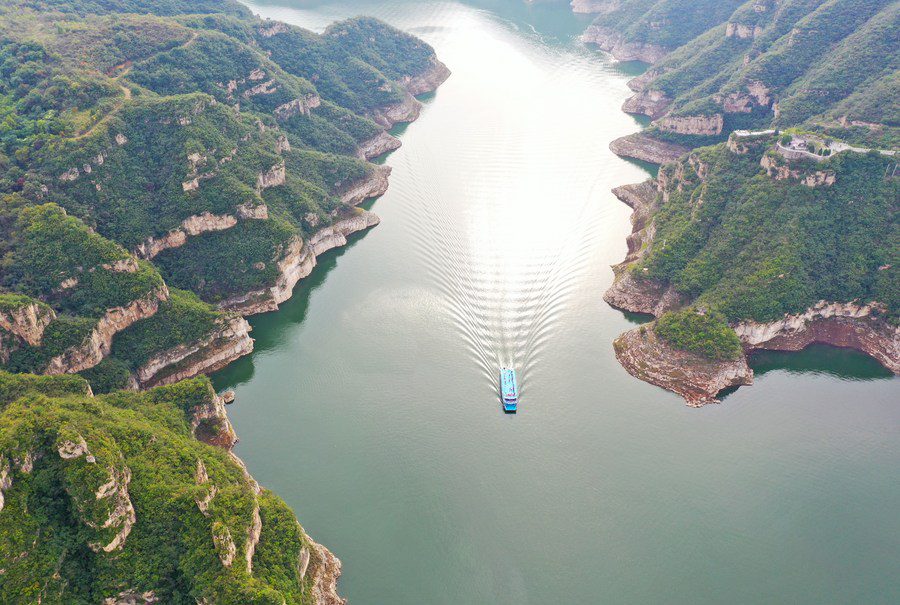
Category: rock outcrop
<point>378,145</point>
<point>428,81</point>
<point>614,43</point>
<point>191,226</point>
<point>228,342</point>
<point>408,109</point>
<point>651,103</point>
<point>597,7</point>
<point>695,125</point>
<point>297,262</point>
<point>372,185</point>
<point>780,171</point>
<point>697,379</point>
<point>326,570</point>
<point>644,147</point>
<point>23,323</point>
<point>645,356</point>
<point>98,344</point>
<point>853,325</point>
<point>210,423</point>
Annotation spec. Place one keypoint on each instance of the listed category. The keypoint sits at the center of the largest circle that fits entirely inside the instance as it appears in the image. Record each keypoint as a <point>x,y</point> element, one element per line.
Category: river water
<point>370,404</point>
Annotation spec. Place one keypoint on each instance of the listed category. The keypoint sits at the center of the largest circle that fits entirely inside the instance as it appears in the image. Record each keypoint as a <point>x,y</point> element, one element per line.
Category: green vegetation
<point>753,247</point>
<point>125,120</point>
<point>182,318</point>
<point>54,526</point>
<point>825,64</point>
<point>704,333</point>
<point>666,23</point>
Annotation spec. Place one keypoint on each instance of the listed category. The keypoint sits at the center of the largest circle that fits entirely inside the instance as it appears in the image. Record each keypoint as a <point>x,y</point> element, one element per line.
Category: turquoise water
<point>371,402</point>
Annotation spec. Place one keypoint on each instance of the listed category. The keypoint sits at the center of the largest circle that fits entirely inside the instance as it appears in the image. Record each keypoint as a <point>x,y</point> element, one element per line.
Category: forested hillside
<point>166,168</point>
<point>787,233</point>
<point>830,65</point>
<point>166,165</point>
<point>113,499</point>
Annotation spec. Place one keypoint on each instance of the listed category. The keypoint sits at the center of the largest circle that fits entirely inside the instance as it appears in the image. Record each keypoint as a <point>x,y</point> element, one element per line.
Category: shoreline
<point>852,325</point>
<point>232,340</point>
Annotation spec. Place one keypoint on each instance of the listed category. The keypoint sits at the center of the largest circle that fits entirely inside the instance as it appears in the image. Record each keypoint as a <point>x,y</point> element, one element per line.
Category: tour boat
<point>509,391</point>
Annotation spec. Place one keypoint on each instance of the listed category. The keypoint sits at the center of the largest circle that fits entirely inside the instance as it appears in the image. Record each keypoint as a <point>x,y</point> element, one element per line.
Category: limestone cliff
<point>614,43</point>
<point>228,342</point>
<point>849,324</point>
<point>372,185</point>
<point>698,380</point>
<point>378,145</point>
<point>297,262</point>
<point>644,147</point>
<point>408,109</point>
<point>853,325</point>
<point>651,103</point>
<point>694,125</point>
<point>99,343</point>
<point>193,225</point>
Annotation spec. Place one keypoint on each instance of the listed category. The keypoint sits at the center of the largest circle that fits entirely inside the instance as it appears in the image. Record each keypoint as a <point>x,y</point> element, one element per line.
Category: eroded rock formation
<point>644,147</point>
<point>229,341</point>
<point>297,262</point>
<point>614,43</point>
<point>697,379</point>
<point>99,343</point>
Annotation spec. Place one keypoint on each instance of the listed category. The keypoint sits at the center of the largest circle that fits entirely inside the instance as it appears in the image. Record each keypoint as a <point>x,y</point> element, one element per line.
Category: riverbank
<point>854,325</point>
<point>231,339</point>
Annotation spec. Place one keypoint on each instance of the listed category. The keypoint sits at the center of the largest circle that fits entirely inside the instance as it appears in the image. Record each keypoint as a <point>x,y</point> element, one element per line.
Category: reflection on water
<point>370,403</point>
<point>846,364</point>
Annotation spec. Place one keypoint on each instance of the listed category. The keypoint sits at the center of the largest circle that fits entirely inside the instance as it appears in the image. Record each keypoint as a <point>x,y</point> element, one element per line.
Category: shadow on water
<point>846,364</point>
<point>269,329</point>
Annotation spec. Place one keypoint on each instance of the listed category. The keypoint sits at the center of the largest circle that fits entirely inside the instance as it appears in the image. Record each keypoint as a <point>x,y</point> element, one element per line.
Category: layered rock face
<point>613,42</point>
<point>378,145</point>
<point>23,324</point>
<point>372,185</point>
<point>852,325</point>
<point>651,103</point>
<point>597,7</point>
<point>409,108</point>
<point>428,81</point>
<point>99,343</point>
<point>193,225</point>
<point>695,125</point>
<point>643,147</point>
<point>298,262</point>
<point>698,380</point>
<point>230,341</point>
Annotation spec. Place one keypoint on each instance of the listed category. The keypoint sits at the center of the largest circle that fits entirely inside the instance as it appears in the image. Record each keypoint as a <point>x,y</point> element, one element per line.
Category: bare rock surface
<point>697,379</point>
<point>643,147</point>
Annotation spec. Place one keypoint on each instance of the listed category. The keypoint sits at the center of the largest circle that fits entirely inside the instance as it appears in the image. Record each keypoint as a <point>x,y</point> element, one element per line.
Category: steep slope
<point>116,499</point>
<point>189,148</point>
<point>830,65</point>
<point>774,244</point>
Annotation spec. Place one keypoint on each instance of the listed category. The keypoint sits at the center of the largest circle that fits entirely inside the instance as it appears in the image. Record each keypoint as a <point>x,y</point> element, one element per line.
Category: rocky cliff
<point>378,145</point>
<point>849,324</point>
<point>646,148</point>
<point>99,343</point>
<point>408,109</point>
<point>193,225</point>
<point>698,380</point>
<point>372,185</point>
<point>228,342</point>
<point>297,262</point>
<point>614,43</point>
<point>651,103</point>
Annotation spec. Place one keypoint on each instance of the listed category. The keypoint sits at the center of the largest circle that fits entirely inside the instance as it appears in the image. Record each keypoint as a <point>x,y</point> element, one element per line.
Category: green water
<point>370,403</point>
